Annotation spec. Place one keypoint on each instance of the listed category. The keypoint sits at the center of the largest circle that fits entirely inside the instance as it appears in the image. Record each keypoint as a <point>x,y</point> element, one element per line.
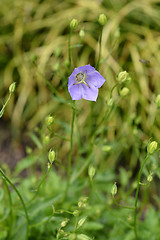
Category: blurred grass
<point>37,31</point>
<point>33,45</point>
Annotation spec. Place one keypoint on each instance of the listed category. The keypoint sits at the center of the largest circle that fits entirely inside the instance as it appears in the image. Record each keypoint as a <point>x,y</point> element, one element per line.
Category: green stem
<point>106,116</point>
<point>154,119</point>
<point>2,110</point>
<point>113,89</point>
<point>111,50</point>
<point>107,112</point>
<point>100,47</point>
<point>69,50</point>
<point>58,135</point>
<point>70,154</point>
<point>119,205</point>
<point>21,199</point>
<point>136,198</point>
<point>11,209</point>
<point>41,182</point>
<point>95,191</point>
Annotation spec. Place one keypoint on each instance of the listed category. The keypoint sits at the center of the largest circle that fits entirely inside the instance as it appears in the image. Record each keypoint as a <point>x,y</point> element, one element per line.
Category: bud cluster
<point>83,202</point>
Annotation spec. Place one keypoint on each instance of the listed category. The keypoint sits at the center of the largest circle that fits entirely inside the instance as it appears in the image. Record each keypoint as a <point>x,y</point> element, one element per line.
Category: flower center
<point>81,78</point>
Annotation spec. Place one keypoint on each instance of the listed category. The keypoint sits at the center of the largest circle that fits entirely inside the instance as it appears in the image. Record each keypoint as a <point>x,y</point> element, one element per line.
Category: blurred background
<point>34,54</point>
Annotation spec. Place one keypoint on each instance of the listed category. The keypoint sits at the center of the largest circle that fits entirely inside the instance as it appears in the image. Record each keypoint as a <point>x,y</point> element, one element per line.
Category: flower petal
<point>75,91</point>
<point>87,68</point>
<point>89,93</point>
<point>95,78</point>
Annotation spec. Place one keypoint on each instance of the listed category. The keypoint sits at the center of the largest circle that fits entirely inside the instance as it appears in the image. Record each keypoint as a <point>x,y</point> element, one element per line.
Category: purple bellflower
<point>84,83</point>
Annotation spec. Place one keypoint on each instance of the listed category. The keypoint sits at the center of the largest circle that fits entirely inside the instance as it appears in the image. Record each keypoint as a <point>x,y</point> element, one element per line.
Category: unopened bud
<point>102,19</point>
<point>152,147</point>
<point>46,139</point>
<point>106,148</point>
<point>114,189</point>
<point>12,87</point>
<point>76,213</point>
<point>82,33</point>
<point>74,24</point>
<point>51,156</point>
<point>72,236</point>
<point>49,120</point>
<point>124,92</point>
<point>83,201</point>
<point>122,76</point>
<point>64,223</point>
<point>158,101</point>
<point>83,237</point>
<point>81,222</point>
<point>91,171</point>
<point>150,177</point>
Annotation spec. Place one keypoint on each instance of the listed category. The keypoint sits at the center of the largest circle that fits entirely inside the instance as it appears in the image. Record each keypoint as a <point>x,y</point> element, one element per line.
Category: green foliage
<point>95,146</point>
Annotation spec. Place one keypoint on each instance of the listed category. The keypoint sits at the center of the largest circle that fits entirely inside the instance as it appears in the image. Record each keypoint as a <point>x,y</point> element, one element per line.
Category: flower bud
<point>158,101</point>
<point>152,147</point>
<point>81,222</point>
<point>124,92</point>
<point>83,237</point>
<point>91,171</point>
<point>106,148</point>
<point>82,33</point>
<point>76,213</point>
<point>72,236</point>
<point>150,177</point>
<point>12,87</point>
<point>122,77</point>
<point>51,156</point>
<point>114,189</point>
<point>80,204</point>
<point>46,139</point>
<point>49,120</point>
<point>84,199</point>
<point>74,24</point>
<point>64,223</point>
<point>102,19</point>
